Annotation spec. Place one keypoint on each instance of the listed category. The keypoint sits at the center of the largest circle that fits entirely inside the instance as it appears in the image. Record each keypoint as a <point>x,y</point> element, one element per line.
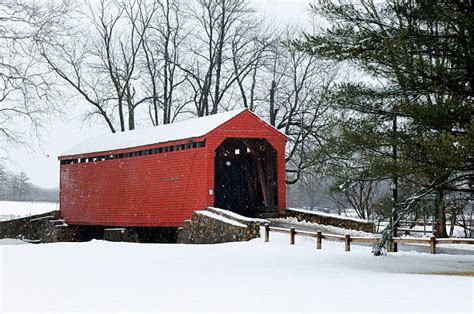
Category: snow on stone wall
<point>328,219</point>
<point>209,226</point>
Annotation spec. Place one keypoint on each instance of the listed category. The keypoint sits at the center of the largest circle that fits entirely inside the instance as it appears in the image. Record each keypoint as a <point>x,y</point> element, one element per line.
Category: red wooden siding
<point>156,190</point>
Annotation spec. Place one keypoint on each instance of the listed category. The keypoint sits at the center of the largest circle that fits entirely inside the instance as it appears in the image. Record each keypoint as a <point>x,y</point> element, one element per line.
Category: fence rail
<point>347,239</point>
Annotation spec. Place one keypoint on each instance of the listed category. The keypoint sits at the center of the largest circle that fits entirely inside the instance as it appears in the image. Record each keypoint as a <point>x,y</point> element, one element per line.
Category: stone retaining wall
<point>330,220</point>
<point>42,228</point>
<point>34,228</point>
<point>214,226</point>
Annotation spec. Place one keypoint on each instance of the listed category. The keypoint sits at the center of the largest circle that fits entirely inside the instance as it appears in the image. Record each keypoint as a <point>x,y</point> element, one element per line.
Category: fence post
<point>347,240</point>
<point>433,245</point>
<point>389,246</point>
<point>267,232</point>
<point>394,244</point>
<point>292,235</point>
<point>319,240</point>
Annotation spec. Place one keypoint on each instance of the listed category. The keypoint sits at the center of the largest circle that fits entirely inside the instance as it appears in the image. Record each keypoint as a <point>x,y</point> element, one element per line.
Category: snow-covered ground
<point>11,210</point>
<point>249,276</point>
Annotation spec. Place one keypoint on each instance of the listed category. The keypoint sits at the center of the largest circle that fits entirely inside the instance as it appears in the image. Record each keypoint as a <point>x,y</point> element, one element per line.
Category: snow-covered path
<point>252,276</point>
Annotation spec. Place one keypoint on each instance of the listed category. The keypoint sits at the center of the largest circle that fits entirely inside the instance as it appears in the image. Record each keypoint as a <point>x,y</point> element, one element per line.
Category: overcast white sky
<point>42,165</point>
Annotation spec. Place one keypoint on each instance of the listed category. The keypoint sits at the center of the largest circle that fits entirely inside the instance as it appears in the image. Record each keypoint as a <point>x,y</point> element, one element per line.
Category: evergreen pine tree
<point>410,116</point>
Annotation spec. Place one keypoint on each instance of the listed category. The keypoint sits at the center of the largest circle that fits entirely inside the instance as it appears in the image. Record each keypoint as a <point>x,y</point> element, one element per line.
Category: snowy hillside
<point>10,210</point>
<point>248,276</point>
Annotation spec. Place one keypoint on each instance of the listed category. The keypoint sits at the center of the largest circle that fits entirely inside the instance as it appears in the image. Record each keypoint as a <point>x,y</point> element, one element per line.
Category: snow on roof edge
<point>186,129</point>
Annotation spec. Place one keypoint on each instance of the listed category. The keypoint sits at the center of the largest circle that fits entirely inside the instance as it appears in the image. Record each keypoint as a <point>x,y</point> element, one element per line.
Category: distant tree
<point>14,194</point>
<point>24,186</point>
<point>3,183</point>
<point>17,187</point>
<point>318,192</point>
<point>361,195</point>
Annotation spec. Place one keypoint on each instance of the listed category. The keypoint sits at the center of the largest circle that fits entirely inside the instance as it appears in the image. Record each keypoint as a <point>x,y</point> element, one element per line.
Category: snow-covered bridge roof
<point>191,128</point>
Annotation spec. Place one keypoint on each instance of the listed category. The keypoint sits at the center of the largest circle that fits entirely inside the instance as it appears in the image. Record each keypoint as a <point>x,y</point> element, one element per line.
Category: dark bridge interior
<point>245,177</point>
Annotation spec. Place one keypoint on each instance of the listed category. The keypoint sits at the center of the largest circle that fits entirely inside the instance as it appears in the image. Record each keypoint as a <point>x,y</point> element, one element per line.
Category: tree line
<point>376,100</point>
<point>17,187</point>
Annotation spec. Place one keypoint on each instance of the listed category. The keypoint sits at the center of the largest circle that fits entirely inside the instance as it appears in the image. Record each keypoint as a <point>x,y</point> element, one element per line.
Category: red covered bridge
<point>157,177</point>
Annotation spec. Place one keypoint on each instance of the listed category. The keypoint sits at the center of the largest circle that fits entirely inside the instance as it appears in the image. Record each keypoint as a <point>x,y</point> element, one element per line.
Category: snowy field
<point>11,210</point>
<point>250,276</point>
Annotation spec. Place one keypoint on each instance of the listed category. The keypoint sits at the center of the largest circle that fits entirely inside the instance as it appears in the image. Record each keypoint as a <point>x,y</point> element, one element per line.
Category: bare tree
<point>163,50</point>
<point>361,195</point>
<point>251,49</point>
<point>102,67</point>
<point>25,86</point>
<point>209,70</point>
<point>298,103</point>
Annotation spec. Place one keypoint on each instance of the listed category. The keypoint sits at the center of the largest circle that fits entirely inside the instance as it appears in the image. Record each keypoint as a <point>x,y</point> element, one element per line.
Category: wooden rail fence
<point>432,241</point>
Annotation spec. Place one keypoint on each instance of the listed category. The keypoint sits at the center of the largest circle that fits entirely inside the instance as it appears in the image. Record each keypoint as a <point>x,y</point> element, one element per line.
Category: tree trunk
<point>167,35</point>
<point>440,215</point>
<point>395,188</point>
<point>120,111</point>
<point>220,47</point>
<point>272,104</point>
<point>452,221</point>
